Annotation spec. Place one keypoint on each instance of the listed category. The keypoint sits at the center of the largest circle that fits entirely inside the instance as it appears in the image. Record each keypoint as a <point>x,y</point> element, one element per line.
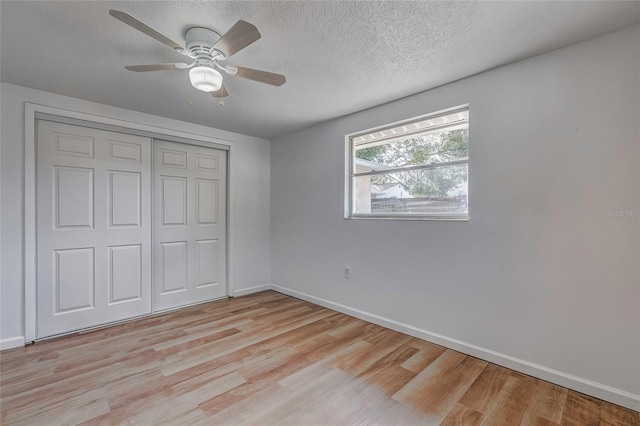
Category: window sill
<point>464,218</point>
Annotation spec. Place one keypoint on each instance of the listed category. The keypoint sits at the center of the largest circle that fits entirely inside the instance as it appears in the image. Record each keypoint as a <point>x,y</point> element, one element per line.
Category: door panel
<point>125,273</point>
<point>73,195</point>
<point>206,201</point>
<point>78,145</point>
<point>125,199</point>
<point>207,256</point>
<point>94,227</point>
<point>74,278</point>
<point>174,158</point>
<point>174,267</point>
<point>189,231</point>
<point>124,151</point>
<point>174,200</point>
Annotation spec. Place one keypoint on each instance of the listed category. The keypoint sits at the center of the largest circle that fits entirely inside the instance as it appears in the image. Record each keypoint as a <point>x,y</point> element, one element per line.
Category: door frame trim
<point>33,112</point>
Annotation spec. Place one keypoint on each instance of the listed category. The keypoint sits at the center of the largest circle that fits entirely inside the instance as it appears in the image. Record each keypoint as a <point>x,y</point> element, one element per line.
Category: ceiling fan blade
<point>261,76</point>
<point>241,35</point>
<point>141,26</point>
<point>156,67</point>
<point>220,93</point>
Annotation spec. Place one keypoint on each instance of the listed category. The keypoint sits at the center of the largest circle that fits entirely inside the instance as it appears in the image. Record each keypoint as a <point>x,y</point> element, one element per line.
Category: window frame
<point>351,175</point>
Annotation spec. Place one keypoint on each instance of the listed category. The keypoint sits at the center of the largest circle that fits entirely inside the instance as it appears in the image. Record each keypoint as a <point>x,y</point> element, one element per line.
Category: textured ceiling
<point>339,57</point>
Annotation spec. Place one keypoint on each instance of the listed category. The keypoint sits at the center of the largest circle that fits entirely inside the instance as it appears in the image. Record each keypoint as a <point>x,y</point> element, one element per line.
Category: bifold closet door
<point>189,232</point>
<point>94,227</point>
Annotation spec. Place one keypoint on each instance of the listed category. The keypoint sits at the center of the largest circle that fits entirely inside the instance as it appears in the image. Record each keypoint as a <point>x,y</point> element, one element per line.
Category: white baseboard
<point>13,342</point>
<point>249,290</point>
<point>598,390</point>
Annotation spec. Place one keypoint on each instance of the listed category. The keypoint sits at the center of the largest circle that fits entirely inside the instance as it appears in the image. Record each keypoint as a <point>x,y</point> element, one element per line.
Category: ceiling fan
<point>206,49</point>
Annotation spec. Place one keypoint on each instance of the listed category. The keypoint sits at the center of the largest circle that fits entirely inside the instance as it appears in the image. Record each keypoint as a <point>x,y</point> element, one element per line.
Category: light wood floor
<point>270,359</point>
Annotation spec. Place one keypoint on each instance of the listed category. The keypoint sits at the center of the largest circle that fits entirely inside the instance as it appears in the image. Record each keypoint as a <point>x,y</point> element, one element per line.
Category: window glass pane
<point>426,148</point>
<point>438,191</point>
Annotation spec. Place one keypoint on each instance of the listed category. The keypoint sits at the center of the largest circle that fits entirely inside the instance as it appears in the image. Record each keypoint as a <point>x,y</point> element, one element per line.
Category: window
<point>416,169</point>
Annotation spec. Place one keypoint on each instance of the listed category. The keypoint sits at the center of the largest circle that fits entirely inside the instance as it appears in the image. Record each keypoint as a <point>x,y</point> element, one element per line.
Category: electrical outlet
<point>347,272</point>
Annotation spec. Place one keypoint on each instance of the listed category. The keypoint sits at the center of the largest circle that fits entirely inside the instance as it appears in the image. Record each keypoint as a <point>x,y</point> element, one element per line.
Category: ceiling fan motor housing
<point>200,40</point>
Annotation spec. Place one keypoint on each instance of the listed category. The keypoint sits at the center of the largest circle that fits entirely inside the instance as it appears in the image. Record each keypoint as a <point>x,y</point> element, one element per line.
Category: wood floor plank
<point>277,403</point>
<point>617,416</point>
<point>581,409</point>
<point>346,401</point>
<point>387,373</point>
<point>547,403</point>
<point>233,343</point>
<point>462,415</point>
<point>187,401</point>
<point>482,395</point>
<point>537,421</point>
<point>425,356</point>
<point>437,388</point>
<point>267,373</point>
<point>56,384</point>
<point>265,359</point>
<point>368,355</point>
<point>390,379</point>
<point>391,412</point>
<point>512,401</point>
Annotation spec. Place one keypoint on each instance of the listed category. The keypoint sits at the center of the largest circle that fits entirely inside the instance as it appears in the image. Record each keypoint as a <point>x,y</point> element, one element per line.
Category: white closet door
<point>94,227</point>
<point>189,232</point>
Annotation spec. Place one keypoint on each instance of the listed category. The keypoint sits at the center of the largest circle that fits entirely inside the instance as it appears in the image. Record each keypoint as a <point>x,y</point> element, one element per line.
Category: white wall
<point>250,174</point>
<point>539,279</point>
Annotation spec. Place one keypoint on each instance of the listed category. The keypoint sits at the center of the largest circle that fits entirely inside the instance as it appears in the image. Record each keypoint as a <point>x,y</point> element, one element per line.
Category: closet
<point>127,225</point>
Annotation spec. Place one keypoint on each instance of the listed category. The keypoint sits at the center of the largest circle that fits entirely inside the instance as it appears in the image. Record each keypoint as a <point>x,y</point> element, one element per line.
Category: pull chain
<point>189,100</point>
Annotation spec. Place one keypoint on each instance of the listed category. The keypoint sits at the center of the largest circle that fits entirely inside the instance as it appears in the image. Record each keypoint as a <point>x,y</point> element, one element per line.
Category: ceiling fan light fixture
<point>205,79</point>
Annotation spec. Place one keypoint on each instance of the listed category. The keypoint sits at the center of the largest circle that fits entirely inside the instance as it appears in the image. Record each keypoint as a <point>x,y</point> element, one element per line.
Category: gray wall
<point>540,273</point>
<point>249,182</point>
